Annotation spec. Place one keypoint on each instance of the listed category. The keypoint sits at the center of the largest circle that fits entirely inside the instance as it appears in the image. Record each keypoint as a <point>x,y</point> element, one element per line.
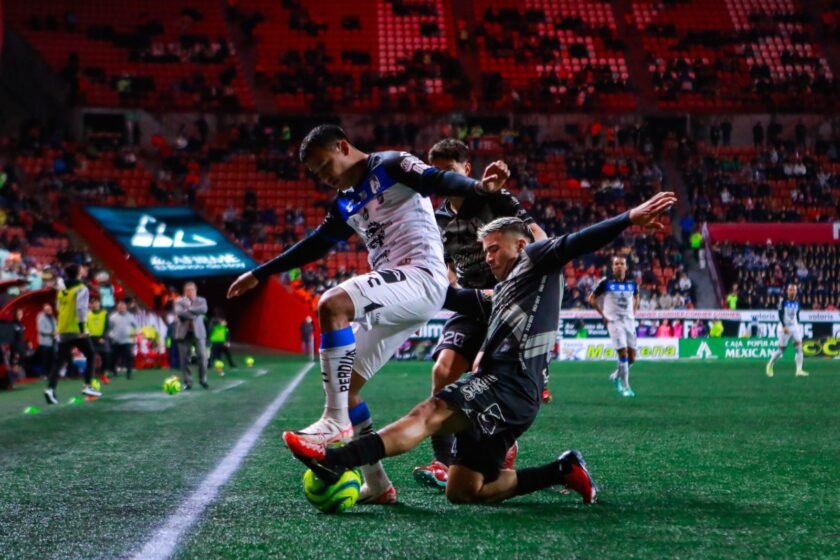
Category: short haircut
<point>322,136</point>
<point>450,149</point>
<point>190,283</point>
<point>622,257</point>
<point>72,271</point>
<point>508,224</point>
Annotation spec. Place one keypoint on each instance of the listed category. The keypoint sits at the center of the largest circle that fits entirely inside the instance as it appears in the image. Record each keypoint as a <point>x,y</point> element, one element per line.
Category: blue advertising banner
<point>173,242</point>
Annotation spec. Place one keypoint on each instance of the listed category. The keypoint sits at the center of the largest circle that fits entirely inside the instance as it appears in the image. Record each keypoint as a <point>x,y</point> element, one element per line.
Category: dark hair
<point>322,136</point>
<point>450,149</point>
<point>72,271</point>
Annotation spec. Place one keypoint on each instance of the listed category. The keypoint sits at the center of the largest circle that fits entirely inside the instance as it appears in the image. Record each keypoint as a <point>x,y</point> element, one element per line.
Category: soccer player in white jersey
<point>789,329</point>
<point>383,198</point>
<point>616,299</point>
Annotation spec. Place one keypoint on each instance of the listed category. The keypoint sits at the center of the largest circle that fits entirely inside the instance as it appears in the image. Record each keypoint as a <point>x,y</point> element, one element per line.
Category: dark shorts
<point>500,409</point>
<point>462,334</point>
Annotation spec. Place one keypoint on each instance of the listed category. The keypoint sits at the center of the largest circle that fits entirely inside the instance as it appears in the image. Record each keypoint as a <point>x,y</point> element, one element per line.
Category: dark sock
<point>443,447</point>
<point>364,451</point>
<point>536,478</point>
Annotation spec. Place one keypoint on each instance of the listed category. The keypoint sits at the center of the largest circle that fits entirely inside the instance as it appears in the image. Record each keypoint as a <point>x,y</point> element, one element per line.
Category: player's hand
<point>786,330</point>
<point>648,213</point>
<point>495,176</point>
<point>242,284</point>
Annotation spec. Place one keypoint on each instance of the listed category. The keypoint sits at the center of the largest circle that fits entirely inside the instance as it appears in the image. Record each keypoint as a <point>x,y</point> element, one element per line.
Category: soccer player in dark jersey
<point>499,401</point>
<point>459,220</point>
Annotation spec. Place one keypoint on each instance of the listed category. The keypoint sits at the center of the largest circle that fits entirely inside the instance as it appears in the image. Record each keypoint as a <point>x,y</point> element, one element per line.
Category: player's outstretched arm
<point>590,239</point>
<point>311,248</point>
<point>428,180</point>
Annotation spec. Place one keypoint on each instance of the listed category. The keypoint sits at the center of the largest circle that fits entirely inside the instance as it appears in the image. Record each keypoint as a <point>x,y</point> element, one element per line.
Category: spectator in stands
<point>664,330</point>
<point>732,298</point>
<point>677,329</point>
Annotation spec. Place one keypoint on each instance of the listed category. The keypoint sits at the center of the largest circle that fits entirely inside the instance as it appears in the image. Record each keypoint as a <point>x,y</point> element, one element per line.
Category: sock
<point>776,355</point>
<point>800,358</point>
<point>338,352</point>
<point>444,448</point>
<point>374,474</point>
<point>363,451</point>
<point>624,372</point>
<point>536,478</point>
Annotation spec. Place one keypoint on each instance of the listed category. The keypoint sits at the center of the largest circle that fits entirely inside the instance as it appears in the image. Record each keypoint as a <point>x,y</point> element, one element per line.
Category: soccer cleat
<point>576,477</point>
<point>205,385</point>
<point>628,392</point>
<point>769,370</point>
<point>546,396</point>
<point>374,497</point>
<point>89,391</point>
<point>326,431</point>
<point>312,455</point>
<point>49,394</point>
<point>433,475</point>
<point>510,456</point>
<point>104,379</point>
<point>802,373</point>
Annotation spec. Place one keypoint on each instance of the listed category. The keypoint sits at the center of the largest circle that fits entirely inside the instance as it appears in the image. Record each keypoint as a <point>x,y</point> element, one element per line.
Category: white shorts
<point>794,332</point>
<point>390,305</point>
<point>622,333</point>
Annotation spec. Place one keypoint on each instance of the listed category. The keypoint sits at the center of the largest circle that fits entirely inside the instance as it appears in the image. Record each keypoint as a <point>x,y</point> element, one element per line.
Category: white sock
<point>800,358</point>
<point>624,372</point>
<point>338,352</point>
<point>374,475</point>
<point>776,355</point>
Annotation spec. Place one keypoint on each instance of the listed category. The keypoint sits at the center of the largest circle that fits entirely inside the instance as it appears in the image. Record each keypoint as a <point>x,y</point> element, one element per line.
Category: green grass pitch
<point>710,460</point>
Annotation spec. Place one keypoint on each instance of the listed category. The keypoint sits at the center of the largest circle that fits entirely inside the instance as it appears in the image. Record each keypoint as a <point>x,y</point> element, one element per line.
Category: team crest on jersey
<point>412,164</point>
<point>375,185</point>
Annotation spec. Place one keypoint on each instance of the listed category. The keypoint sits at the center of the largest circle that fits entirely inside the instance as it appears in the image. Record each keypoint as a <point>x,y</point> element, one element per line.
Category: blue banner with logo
<point>173,242</point>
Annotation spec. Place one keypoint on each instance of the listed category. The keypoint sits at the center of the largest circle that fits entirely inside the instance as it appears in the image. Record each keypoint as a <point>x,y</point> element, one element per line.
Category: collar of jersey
<point>351,201</point>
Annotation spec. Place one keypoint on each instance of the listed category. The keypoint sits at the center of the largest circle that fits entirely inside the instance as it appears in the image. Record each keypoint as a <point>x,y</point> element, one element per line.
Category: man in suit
<point>190,331</point>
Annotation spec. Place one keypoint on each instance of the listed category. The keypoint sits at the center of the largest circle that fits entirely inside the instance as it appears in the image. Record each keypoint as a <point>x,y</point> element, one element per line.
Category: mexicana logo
<point>159,240</point>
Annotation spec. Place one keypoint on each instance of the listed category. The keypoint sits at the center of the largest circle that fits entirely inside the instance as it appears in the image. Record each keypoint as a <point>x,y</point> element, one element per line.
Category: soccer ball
<point>249,361</point>
<point>95,384</point>
<point>219,366</point>
<point>172,385</point>
<point>337,498</point>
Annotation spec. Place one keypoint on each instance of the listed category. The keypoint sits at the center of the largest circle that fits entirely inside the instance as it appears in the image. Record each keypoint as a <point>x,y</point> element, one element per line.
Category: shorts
<point>622,333</point>
<point>462,334</point>
<point>500,409</point>
<point>794,332</point>
<point>390,305</point>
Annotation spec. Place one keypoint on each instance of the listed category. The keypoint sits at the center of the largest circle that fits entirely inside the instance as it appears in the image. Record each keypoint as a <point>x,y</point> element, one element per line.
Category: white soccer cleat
<point>769,370</point>
<point>49,395</point>
<point>327,431</point>
<point>90,391</point>
<point>376,496</point>
<point>801,373</point>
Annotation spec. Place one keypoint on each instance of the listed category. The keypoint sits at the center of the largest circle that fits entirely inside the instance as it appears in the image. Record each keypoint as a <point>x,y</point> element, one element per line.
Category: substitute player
<point>491,408</point>
<point>72,332</point>
<point>616,300</point>
<point>789,329</point>
<point>459,220</point>
<point>383,198</point>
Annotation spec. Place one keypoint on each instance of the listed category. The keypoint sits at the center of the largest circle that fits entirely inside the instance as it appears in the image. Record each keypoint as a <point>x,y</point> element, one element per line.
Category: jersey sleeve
<point>600,287</point>
<point>311,248</point>
<point>427,180</point>
<point>553,254</point>
<point>781,309</point>
<point>474,303</point>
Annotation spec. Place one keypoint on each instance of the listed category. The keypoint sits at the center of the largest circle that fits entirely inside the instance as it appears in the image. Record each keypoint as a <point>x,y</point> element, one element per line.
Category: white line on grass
<point>230,385</point>
<point>164,541</point>
<point>260,372</point>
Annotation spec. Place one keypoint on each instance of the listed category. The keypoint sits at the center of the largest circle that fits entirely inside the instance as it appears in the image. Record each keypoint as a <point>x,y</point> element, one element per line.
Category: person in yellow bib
<point>72,332</point>
<point>97,325</point>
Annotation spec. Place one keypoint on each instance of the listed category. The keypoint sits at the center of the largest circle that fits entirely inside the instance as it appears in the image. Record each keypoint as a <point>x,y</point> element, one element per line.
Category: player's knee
<point>457,494</point>
<point>335,303</point>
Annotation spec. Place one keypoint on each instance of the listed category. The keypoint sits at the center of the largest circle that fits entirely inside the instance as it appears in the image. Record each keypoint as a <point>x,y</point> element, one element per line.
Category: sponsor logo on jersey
<point>411,164</point>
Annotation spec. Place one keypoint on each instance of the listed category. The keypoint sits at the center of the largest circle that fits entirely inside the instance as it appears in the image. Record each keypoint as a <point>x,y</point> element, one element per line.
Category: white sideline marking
<point>230,385</point>
<point>260,372</point>
<point>162,544</point>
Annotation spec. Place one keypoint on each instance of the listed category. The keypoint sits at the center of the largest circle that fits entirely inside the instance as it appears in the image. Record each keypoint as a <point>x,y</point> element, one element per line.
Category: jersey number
<point>389,276</point>
<point>453,338</point>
